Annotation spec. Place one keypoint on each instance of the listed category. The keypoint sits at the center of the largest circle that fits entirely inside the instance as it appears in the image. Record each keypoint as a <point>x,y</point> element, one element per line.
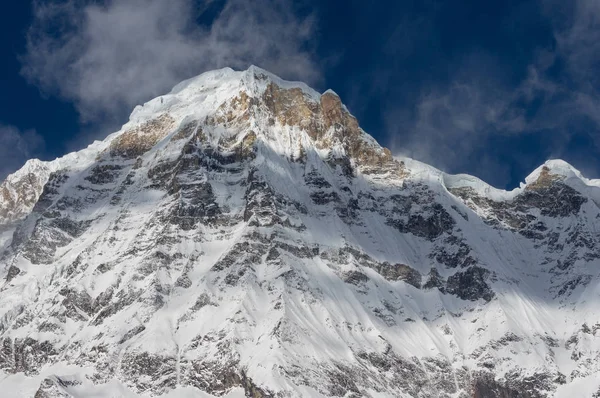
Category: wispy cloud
<point>108,56</point>
<point>450,124</point>
<point>16,147</point>
<point>453,124</point>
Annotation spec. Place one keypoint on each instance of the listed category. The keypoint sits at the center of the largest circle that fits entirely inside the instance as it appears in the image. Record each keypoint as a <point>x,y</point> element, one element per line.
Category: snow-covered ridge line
<point>226,83</point>
<point>221,84</point>
<point>77,159</point>
<point>567,173</point>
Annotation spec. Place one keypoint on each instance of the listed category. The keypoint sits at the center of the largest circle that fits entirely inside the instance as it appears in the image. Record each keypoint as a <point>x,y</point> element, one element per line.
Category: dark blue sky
<point>21,104</point>
<point>487,88</point>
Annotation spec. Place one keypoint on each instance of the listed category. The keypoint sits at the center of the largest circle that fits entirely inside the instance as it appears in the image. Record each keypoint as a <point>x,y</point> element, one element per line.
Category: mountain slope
<point>243,235</point>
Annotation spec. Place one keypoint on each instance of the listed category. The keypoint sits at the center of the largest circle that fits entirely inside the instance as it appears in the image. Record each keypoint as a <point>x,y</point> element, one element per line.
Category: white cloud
<point>16,147</point>
<point>109,57</point>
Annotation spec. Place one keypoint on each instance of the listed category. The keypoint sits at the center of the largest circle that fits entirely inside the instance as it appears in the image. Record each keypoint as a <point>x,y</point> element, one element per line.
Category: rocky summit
<point>243,236</point>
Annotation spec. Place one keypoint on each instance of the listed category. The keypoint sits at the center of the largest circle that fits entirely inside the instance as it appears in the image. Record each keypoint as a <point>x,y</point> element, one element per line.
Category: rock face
<point>18,194</point>
<point>244,235</point>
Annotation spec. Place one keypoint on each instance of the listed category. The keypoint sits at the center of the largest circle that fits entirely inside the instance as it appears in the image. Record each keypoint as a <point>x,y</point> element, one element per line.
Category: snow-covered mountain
<point>243,236</point>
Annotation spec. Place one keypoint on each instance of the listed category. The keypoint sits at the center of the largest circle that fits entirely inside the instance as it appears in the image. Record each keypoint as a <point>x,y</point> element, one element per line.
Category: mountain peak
<point>242,235</point>
<point>226,104</point>
<point>554,169</point>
